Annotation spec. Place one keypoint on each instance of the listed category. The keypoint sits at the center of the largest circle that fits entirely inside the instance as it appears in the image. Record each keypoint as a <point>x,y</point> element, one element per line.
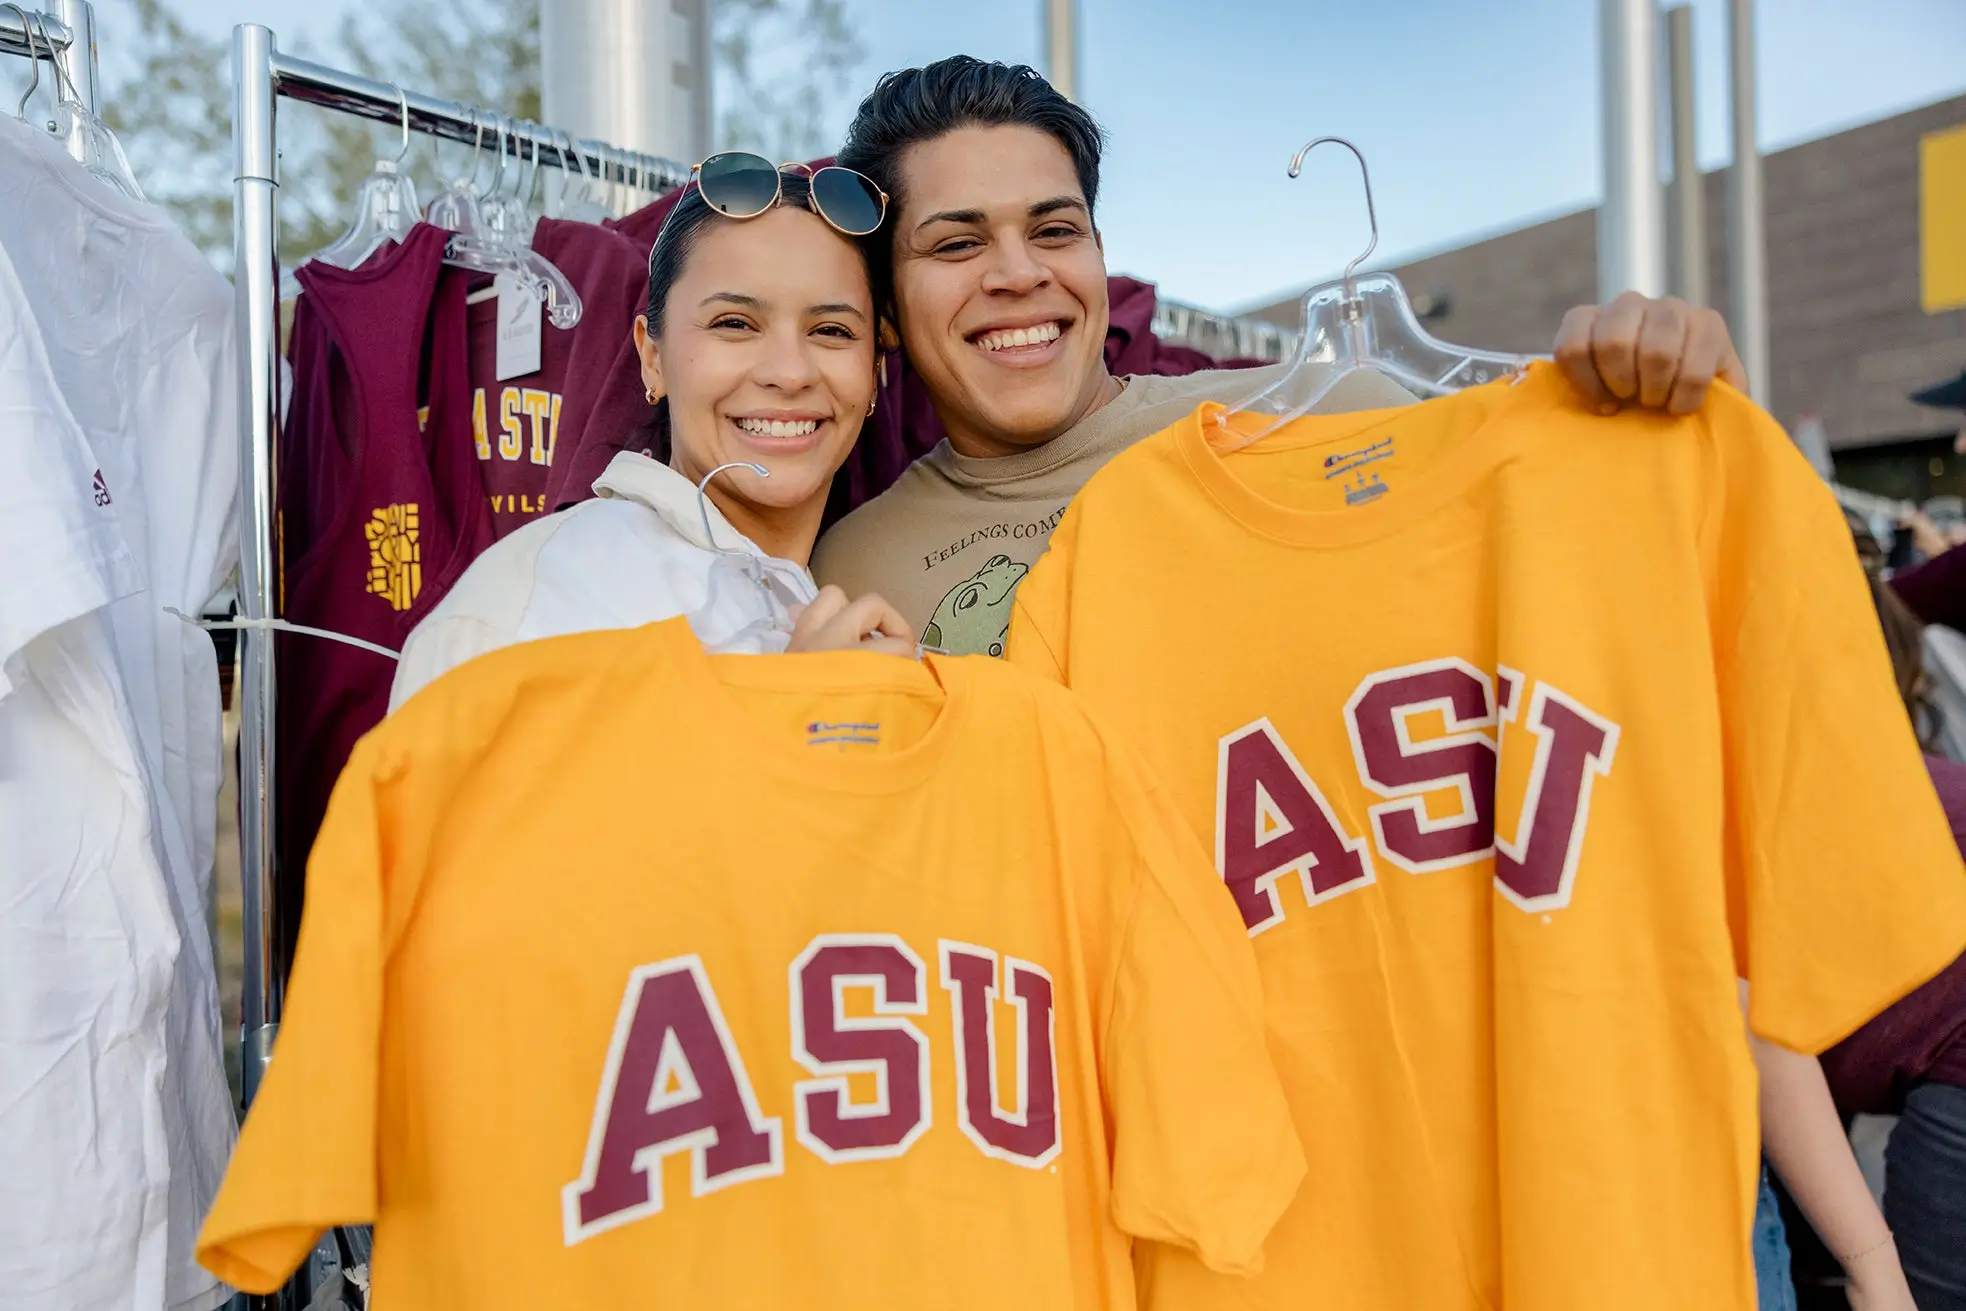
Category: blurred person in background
<point>1911,1060</point>
<point>1935,589</point>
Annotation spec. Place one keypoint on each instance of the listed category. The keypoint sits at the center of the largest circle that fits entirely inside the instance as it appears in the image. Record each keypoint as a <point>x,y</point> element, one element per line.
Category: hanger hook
<point>73,96</point>
<point>1371,214</point>
<point>33,60</point>
<point>477,145</point>
<point>403,102</point>
<point>703,500</point>
<point>498,148</point>
<point>579,157</point>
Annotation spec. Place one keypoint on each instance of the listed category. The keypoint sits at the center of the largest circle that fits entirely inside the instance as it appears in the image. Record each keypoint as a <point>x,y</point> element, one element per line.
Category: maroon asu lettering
<point>1027,1135</point>
<point>832,1046</point>
<point>674,1082</point>
<point>1272,819</point>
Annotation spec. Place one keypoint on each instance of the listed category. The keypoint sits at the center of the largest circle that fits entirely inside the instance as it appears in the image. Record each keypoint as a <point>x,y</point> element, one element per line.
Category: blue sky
<point>1476,115</point>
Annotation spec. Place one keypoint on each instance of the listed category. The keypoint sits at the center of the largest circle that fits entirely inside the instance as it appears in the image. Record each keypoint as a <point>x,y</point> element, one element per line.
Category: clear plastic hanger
<point>738,574</point>
<point>87,137</point>
<point>743,573</point>
<point>582,205</point>
<point>1359,323</point>
<point>476,244</point>
<point>385,210</point>
<point>506,214</point>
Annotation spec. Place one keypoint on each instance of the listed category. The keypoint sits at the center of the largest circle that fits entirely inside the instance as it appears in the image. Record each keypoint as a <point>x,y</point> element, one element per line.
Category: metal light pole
<point>1688,197</point>
<point>1747,237</point>
<point>1061,46</point>
<point>1631,246</point>
<point>632,72</point>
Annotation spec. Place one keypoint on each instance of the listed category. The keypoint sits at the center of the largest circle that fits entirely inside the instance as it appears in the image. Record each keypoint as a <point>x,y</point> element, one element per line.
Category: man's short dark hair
<point>920,104</point>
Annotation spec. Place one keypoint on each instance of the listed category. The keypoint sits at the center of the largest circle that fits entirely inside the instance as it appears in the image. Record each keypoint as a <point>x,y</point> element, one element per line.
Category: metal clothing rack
<point>1220,336</point>
<point>261,75</point>
<point>64,32</point>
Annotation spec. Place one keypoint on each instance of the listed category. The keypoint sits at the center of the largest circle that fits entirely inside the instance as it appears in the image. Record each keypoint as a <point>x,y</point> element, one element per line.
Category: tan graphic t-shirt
<point>949,542</point>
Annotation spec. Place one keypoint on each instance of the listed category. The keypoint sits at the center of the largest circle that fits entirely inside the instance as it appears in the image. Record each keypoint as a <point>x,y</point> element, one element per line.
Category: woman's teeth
<point>779,427</point>
<point>1038,336</point>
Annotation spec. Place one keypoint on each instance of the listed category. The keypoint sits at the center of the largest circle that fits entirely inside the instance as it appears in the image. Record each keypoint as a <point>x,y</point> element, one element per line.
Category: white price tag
<point>520,319</point>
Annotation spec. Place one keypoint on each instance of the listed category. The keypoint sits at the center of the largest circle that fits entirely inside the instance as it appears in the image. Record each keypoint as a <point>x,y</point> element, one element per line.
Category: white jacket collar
<point>632,476</point>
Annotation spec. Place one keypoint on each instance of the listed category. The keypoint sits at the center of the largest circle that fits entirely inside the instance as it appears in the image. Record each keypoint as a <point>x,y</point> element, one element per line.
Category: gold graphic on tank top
<point>395,556</point>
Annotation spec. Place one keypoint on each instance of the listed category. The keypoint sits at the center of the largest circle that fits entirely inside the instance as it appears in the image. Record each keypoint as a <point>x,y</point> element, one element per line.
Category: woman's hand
<point>1661,354</point>
<point>833,623</point>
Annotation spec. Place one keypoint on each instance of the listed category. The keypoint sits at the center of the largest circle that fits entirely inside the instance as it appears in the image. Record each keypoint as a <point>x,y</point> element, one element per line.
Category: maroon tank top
<point>381,507</point>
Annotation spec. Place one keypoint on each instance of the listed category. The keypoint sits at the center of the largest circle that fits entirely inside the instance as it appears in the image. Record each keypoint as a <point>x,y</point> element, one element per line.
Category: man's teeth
<point>779,427</point>
<point>1038,336</point>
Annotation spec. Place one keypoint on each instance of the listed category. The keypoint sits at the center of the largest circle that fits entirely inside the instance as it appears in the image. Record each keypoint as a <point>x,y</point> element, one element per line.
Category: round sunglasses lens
<point>848,200</point>
<point>737,184</point>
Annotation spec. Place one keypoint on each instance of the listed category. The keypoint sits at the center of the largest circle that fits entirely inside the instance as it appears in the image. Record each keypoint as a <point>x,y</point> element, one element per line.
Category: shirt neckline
<point>997,470</point>
<point>1477,442</point>
<point>706,689</point>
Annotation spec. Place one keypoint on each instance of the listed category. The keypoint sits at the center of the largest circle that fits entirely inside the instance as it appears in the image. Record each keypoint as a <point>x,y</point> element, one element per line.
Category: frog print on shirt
<point>974,618</point>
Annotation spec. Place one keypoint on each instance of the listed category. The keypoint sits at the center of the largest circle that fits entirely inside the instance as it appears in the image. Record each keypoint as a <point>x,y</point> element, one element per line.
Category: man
<point>999,289</point>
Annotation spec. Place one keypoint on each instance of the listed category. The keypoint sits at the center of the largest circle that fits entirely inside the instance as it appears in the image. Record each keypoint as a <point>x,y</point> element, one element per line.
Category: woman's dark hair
<point>1904,639</point>
<point>920,104</point>
<point>693,214</point>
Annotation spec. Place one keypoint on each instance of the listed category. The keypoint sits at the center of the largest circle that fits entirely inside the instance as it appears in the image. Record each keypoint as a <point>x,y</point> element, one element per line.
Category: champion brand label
<point>821,733</point>
<point>1343,462</point>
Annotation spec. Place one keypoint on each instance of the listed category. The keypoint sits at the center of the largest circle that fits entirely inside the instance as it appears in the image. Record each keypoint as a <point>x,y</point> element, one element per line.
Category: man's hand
<point>833,623</point>
<point>1661,354</point>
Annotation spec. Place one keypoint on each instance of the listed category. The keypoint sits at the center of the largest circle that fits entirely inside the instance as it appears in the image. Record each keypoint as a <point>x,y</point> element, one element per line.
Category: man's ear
<point>887,337</point>
<point>650,350</point>
<point>1099,240</point>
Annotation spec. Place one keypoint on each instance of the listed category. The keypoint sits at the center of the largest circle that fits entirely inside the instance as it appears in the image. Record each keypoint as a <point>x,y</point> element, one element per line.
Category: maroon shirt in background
<point>905,426</point>
<point>542,439</point>
<point>1921,1039</point>
<point>1936,589</point>
<point>381,506</point>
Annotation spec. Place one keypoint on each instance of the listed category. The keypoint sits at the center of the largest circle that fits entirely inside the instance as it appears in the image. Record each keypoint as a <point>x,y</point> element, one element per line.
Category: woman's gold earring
<point>648,394</point>
<point>873,405</point>
<point>882,369</point>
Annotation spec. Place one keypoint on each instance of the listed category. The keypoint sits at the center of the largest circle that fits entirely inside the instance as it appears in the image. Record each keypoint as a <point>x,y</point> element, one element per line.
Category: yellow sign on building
<point>1942,219</point>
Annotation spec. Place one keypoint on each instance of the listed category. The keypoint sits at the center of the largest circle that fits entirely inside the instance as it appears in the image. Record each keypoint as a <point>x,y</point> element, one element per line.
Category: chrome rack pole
<point>365,97</point>
<point>255,282</point>
<point>78,61</point>
<point>17,38</point>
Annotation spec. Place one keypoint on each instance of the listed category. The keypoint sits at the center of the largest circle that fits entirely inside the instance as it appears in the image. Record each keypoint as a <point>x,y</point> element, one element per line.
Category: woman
<point>759,340</point>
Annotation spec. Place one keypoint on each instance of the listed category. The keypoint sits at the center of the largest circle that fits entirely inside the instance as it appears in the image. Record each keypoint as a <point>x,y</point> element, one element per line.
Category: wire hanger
<point>385,210</point>
<point>1359,323</point>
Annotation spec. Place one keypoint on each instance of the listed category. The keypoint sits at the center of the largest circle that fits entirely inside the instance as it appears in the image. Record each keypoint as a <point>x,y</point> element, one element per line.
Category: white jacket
<point>634,555</point>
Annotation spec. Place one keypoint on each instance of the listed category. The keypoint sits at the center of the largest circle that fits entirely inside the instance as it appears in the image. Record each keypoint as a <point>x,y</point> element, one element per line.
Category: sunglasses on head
<point>740,185</point>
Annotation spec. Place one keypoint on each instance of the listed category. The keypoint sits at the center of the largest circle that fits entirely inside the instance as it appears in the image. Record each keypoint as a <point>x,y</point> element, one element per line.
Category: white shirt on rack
<point>634,555</point>
<point>114,742</point>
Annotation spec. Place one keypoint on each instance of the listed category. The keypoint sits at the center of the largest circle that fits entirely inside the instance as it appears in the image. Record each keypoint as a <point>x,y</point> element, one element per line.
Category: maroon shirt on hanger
<point>542,439</point>
<point>381,506</point>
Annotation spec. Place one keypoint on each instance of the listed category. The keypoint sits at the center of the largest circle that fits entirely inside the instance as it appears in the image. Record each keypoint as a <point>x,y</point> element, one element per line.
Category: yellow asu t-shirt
<point>1518,735</point>
<point>632,976</point>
